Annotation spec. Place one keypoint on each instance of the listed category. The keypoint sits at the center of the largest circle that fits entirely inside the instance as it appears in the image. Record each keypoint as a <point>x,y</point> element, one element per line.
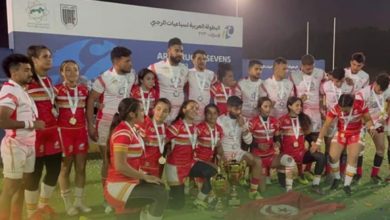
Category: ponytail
<point>126,106</point>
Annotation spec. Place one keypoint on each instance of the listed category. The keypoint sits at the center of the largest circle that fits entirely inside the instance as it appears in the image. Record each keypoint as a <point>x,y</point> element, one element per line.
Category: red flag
<point>288,206</point>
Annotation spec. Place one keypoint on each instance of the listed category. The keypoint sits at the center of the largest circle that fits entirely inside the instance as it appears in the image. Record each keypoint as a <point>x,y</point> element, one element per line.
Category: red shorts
<point>348,139</point>
<point>176,174</point>
<point>265,156</point>
<point>150,162</point>
<point>74,141</point>
<point>267,161</point>
<point>47,142</point>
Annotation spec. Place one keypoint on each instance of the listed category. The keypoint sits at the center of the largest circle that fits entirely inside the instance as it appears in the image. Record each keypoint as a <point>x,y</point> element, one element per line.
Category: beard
<point>175,60</point>
<point>27,81</point>
<point>233,116</point>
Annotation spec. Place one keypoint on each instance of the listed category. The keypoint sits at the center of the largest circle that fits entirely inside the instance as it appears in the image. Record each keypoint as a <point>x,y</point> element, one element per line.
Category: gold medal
<point>72,120</point>
<point>296,144</point>
<point>162,160</point>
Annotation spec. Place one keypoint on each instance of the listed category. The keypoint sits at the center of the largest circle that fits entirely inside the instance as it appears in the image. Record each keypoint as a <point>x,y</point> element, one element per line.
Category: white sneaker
<point>107,208</point>
<point>83,208</point>
<point>72,211</point>
<point>268,180</point>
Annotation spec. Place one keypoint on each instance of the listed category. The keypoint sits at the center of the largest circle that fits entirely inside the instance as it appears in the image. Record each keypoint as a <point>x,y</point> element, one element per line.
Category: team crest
<point>69,15</point>
<point>279,210</point>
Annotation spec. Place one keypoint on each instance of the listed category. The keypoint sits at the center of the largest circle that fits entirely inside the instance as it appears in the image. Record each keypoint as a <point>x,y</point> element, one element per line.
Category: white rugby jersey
<point>309,85</point>
<point>231,140</point>
<point>332,93</point>
<point>113,87</point>
<point>278,92</point>
<point>199,88</point>
<point>374,102</point>
<point>171,80</point>
<point>251,92</point>
<point>360,79</point>
<point>13,96</point>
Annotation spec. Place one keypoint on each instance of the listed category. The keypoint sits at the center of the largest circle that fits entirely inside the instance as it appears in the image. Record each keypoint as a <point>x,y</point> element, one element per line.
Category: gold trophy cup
<point>220,188</point>
<point>234,171</point>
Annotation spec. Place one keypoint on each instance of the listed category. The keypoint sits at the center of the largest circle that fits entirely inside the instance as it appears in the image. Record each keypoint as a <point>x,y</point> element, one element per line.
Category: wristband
<point>31,124</point>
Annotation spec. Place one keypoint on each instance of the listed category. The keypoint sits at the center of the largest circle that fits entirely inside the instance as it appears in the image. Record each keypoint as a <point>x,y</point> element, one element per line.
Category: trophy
<point>245,173</point>
<point>234,170</point>
<point>220,187</point>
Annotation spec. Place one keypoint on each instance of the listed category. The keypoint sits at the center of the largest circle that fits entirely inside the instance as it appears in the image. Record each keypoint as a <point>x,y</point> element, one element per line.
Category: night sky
<point>277,27</point>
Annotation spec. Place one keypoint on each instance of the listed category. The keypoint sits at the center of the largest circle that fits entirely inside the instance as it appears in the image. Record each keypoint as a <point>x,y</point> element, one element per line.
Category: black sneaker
<point>356,179</point>
<point>347,190</point>
<point>317,189</point>
<point>335,184</point>
<point>376,179</point>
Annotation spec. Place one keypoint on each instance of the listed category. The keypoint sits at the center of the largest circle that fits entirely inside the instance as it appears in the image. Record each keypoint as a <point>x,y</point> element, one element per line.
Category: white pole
<point>334,42</point>
<point>307,37</point>
<point>237,8</point>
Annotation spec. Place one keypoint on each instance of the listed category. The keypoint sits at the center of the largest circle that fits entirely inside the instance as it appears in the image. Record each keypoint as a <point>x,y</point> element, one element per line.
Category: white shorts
<point>103,129</point>
<point>234,155</point>
<point>17,158</point>
<point>315,117</point>
<point>120,191</point>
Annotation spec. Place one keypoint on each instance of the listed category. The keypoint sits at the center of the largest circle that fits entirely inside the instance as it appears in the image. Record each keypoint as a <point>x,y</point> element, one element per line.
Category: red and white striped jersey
<point>220,94</point>
<point>349,123</point>
<point>64,107</point>
<point>207,139</point>
<point>13,96</point>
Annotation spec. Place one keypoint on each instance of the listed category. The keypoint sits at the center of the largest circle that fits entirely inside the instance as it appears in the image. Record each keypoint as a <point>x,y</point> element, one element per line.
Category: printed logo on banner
<point>228,32</point>
<point>68,15</point>
<point>37,13</point>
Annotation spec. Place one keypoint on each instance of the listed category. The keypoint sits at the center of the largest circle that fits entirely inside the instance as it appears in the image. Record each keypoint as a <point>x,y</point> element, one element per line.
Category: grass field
<point>367,202</point>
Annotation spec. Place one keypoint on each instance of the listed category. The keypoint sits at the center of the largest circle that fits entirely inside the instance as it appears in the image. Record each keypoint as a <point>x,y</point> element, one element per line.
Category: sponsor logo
<point>37,13</point>
<point>228,31</point>
<point>69,15</point>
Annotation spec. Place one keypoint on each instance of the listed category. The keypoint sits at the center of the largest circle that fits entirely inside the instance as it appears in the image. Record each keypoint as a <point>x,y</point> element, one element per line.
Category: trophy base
<point>219,210</point>
<point>219,215</point>
<point>234,202</point>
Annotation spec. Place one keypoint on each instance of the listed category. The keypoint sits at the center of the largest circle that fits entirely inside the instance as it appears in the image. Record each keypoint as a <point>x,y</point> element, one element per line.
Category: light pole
<point>237,4</point>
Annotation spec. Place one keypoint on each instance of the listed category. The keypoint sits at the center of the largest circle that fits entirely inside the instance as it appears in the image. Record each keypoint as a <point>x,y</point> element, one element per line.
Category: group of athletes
<point>183,123</point>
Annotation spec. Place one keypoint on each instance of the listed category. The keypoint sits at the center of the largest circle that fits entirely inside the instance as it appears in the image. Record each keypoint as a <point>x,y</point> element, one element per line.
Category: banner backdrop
<point>86,31</point>
<point>267,66</point>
